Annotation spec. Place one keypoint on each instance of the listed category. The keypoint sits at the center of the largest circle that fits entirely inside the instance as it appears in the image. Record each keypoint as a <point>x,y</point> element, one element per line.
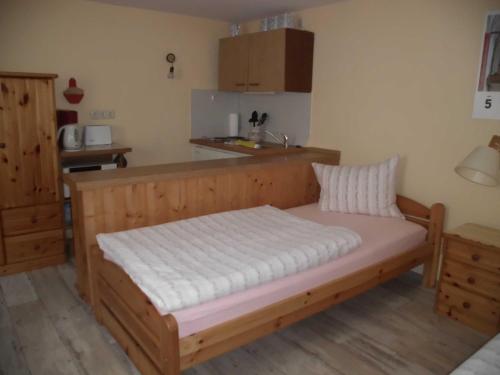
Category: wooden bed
<point>152,341</point>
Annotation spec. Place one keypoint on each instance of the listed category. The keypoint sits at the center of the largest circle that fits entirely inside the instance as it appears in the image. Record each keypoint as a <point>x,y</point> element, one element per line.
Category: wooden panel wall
<point>115,208</point>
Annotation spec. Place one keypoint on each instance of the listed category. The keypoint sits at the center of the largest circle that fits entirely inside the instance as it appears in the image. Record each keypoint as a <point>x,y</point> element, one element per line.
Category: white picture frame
<point>487,96</point>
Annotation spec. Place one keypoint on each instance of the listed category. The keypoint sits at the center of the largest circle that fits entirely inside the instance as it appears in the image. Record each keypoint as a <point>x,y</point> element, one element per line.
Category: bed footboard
<point>150,340</point>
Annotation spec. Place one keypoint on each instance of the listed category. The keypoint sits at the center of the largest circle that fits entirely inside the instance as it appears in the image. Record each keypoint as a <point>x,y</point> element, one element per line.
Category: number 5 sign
<point>487,98</point>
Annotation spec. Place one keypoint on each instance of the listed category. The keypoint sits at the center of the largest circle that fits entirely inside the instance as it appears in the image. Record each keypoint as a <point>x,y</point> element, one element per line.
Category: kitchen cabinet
<point>233,63</point>
<point>279,60</point>
<point>30,184</point>
<point>209,153</point>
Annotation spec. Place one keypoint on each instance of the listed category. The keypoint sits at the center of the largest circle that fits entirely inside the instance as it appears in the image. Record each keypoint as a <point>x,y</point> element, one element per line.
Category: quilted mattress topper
<point>185,263</point>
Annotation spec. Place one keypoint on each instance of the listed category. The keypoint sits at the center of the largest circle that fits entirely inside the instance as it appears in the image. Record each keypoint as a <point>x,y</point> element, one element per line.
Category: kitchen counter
<point>267,149</point>
<point>100,150</point>
<point>98,179</point>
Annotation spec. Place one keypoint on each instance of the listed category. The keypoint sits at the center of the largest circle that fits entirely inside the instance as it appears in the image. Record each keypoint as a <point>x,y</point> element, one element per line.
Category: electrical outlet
<point>95,115</point>
<point>107,114</point>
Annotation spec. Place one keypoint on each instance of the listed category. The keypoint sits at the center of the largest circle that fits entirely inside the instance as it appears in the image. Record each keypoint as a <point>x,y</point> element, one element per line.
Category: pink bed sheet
<point>382,239</point>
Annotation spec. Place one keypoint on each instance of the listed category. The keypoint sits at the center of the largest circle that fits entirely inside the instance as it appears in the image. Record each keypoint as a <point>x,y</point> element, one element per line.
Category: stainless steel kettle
<point>72,136</point>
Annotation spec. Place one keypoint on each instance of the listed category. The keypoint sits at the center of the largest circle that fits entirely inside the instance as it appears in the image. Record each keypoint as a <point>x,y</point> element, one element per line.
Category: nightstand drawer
<point>471,278</point>
<point>476,311</point>
<point>474,255</point>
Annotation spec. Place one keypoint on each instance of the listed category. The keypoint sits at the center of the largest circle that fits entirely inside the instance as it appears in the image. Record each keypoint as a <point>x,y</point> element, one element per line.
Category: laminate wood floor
<point>46,329</point>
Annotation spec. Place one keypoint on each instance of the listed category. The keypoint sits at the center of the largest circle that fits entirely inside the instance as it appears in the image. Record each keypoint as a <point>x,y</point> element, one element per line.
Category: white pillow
<point>369,189</point>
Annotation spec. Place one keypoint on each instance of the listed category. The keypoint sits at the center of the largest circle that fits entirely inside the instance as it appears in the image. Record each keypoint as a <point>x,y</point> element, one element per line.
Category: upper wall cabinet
<point>278,60</point>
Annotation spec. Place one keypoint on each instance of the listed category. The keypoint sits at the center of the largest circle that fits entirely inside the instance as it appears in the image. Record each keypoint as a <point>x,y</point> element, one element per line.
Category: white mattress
<point>185,263</point>
<point>382,238</point>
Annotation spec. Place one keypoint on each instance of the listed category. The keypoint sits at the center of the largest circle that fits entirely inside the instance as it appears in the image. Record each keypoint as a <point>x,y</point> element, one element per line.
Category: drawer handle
<point>471,280</point>
<point>475,257</point>
<point>466,305</point>
<point>254,84</point>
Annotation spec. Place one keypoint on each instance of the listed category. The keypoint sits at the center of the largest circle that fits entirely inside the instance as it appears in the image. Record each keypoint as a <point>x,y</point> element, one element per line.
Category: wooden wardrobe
<point>31,213</point>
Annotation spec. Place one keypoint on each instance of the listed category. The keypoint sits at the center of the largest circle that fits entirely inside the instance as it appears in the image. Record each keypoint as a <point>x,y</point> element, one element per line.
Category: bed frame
<point>152,341</point>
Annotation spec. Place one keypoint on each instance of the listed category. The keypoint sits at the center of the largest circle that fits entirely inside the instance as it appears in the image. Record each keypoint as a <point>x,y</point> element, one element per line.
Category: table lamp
<point>482,164</point>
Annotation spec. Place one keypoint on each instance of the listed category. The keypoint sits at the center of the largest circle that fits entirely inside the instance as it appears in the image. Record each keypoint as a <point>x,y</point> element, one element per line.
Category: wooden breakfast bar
<point>120,199</point>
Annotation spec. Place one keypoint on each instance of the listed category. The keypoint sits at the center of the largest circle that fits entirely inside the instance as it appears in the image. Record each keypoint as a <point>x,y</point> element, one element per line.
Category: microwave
<point>85,168</point>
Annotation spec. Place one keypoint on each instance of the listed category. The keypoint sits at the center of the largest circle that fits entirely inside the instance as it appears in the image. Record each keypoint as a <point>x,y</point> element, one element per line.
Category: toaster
<point>96,135</point>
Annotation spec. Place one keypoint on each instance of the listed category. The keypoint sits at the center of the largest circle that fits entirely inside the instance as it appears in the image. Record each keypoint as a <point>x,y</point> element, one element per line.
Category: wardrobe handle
<point>3,145</point>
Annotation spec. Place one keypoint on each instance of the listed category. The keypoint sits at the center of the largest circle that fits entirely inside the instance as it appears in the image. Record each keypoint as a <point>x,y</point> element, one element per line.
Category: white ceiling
<point>227,10</point>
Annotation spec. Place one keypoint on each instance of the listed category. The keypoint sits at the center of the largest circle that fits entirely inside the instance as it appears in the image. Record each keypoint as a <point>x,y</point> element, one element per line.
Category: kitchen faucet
<point>283,140</point>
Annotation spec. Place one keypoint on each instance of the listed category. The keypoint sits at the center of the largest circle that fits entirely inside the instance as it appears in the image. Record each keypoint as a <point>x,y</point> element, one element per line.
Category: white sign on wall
<point>487,98</point>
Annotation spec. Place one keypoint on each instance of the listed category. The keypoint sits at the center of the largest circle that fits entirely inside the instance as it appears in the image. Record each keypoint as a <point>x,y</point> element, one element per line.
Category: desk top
<point>113,148</point>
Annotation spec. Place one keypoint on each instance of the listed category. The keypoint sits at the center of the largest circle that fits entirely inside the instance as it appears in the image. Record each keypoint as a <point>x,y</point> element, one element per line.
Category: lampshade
<point>481,166</point>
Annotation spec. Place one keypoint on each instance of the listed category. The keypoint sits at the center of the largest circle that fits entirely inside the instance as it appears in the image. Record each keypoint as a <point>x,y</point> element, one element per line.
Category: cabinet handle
<point>466,305</point>
<point>471,280</point>
<point>254,84</point>
<point>475,257</point>
<point>3,145</point>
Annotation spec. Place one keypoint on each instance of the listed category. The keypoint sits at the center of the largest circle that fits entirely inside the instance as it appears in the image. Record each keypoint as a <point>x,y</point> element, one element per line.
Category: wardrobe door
<point>28,150</point>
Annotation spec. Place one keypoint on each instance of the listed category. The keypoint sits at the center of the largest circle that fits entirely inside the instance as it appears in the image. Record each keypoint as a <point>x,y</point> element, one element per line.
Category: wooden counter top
<point>97,179</point>
<point>268,149</point>
<point>111,149</point>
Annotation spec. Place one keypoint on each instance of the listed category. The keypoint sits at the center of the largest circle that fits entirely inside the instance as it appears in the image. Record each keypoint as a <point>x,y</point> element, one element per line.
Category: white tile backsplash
<point>288,113</point>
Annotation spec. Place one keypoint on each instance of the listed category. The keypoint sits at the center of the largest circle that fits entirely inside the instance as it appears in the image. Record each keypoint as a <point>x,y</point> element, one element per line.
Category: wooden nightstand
<point>469,283</point>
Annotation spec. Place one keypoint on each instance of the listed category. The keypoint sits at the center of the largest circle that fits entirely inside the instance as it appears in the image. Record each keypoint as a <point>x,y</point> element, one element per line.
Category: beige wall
<point>117,55</point>
<point>398,76</point>
<point>390,76</point>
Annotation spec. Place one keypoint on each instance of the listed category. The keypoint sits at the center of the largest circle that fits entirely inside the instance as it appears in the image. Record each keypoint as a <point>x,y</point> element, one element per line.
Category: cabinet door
<point>28,150</point>
<point>233,63</point>
<point>266,68</point>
